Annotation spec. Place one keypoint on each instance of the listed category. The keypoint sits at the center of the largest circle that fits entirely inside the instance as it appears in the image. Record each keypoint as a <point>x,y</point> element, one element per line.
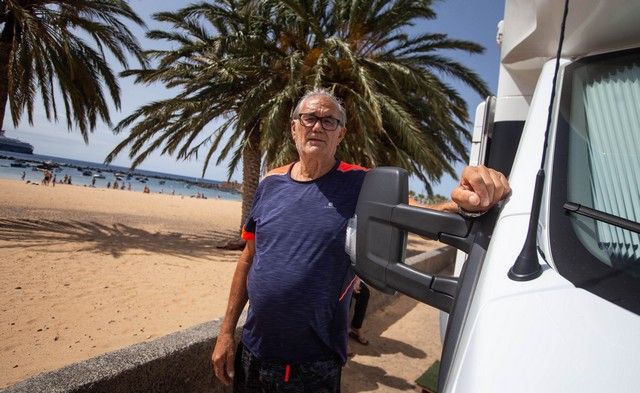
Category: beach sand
<point>85,271</point>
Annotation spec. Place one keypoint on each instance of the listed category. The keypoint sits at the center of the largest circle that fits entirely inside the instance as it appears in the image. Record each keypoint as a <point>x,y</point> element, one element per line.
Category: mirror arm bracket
<point>463,244</point>
<point>434,290</point>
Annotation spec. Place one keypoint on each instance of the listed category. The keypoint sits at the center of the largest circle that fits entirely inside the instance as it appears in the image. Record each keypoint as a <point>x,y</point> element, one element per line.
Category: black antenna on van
<point>526,267</point>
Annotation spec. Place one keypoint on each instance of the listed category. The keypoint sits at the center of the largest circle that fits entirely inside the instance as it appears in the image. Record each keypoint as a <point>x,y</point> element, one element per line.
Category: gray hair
<point>326,93</point>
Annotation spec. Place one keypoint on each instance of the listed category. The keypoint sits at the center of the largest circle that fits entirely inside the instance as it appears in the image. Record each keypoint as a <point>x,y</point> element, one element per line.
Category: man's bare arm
<point>448,206</point>
<point>224,351</point>
<point>479,190</point>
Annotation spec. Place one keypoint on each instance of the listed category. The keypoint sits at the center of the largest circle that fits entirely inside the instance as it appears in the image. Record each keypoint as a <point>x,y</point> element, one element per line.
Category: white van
<point>566,316</point>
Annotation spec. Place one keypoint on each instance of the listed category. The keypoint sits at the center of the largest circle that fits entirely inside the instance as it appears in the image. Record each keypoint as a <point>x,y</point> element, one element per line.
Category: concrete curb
<point>178,362</point>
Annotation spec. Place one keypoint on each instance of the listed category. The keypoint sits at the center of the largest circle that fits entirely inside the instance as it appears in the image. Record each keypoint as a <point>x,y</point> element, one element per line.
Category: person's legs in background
<point>361,295</point>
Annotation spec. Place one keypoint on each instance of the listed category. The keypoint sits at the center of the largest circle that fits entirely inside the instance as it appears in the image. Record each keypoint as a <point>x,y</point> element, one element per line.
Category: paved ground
<point>404,340</point>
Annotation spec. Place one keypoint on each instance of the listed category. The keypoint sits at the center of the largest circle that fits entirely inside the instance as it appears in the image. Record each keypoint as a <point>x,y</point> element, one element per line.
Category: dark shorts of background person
<point>255,376</point>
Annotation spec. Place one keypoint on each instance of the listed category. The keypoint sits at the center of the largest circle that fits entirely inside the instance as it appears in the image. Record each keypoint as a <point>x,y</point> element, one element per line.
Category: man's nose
<point>318,126</point>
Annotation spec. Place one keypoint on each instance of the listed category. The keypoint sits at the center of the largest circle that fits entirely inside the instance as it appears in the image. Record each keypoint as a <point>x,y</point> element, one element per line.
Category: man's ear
<point>343,132</point>
<point>293,128</point>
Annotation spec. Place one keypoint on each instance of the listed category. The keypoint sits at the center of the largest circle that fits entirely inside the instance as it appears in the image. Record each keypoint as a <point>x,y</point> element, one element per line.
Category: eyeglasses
<point>328,123</point>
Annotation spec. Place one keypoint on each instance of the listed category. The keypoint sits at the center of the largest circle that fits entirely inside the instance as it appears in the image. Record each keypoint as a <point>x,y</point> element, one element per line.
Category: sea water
<point>156,181</point>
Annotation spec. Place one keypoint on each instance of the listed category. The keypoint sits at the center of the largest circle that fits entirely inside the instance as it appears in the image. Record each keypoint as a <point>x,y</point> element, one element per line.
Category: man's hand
<point>223,358</point>
<point>480,189</point>
<point>356,285</point>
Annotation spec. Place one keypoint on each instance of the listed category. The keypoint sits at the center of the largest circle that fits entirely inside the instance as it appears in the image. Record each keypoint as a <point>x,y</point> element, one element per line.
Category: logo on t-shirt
<point>329,206</point>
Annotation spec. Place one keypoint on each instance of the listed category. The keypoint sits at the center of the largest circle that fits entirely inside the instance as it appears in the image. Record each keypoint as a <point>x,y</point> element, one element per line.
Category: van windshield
<point>597,166</point>
<point>604,156</point>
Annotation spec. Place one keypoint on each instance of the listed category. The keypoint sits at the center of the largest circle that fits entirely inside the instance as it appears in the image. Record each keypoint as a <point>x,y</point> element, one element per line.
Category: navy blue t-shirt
<point>299,284</point>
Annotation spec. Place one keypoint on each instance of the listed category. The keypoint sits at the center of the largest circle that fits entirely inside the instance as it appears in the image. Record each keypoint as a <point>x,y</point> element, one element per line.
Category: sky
<point>460,19</point>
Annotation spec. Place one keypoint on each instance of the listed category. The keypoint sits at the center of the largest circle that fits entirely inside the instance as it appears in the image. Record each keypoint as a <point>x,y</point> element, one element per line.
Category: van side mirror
<point>383,220</point>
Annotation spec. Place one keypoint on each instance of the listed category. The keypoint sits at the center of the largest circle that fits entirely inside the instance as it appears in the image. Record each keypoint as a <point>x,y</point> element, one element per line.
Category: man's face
<point>316,141</point>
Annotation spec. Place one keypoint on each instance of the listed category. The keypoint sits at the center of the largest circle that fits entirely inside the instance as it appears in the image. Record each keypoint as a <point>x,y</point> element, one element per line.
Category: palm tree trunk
<point>6,43</point>
<point>251,160</point>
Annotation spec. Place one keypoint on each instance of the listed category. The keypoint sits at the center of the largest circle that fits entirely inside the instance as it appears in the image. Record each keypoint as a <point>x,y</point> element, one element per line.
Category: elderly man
<point>294,271</point>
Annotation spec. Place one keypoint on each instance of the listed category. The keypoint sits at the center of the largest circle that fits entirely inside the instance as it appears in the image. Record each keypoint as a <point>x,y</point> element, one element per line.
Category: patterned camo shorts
<point>255,376</point>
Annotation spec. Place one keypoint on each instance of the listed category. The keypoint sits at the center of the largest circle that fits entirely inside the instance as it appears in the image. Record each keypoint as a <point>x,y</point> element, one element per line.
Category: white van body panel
<point>476,152</point>
<point>555,340</point>
<point>532,29</point>
<point>529,153</point>
<point>530,33</point>
<point>543,335</point>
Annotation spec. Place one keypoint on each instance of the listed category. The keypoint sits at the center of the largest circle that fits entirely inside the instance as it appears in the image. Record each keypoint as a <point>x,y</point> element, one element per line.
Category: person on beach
<point>24,174</point>
<point>360,298</point>
<point>46,177</point>
<point>294,271</point>
<point>360,301</point>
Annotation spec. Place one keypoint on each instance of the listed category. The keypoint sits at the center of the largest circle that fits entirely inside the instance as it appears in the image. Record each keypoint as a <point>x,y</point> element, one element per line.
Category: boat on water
<point>14,145</point>
<point>87,172</point>
<point>48,165</point>
<point>98,176</point>
<point>19,164</point>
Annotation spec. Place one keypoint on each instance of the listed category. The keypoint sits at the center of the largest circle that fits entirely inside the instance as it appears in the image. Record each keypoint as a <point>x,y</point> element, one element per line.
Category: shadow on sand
<point>112,239</point>
<point>360,377</point>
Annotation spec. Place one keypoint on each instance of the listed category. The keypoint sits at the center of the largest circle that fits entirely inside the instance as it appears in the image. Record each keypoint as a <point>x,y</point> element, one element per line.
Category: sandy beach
<point>85,271</point>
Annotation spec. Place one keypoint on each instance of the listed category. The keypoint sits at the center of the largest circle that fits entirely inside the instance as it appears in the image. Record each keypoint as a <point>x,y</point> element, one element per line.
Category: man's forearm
<point>448,206</point>
<point>238,293</point>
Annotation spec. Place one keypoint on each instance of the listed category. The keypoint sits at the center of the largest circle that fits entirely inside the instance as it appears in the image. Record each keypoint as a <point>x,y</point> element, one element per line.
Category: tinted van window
<point>597,165</point>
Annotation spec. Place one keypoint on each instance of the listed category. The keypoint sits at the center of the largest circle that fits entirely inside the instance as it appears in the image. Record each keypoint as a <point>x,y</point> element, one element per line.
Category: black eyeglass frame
<point>319,119</point>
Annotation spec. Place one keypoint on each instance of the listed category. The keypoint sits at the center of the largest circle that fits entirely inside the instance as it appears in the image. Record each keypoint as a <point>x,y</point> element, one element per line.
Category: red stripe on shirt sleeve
<point>345,167</point>
<point>247,235</point>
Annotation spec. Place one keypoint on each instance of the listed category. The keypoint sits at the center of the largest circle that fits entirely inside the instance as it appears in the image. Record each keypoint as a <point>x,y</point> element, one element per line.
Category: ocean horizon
<point>106,175</point>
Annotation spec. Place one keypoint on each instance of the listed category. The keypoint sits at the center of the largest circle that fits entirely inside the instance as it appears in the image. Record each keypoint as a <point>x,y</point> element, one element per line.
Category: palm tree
<point>400,112</point>
<point>42,45</point>
<point>246,63</point>
<point>436,199</point>
<point>220,80</point>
